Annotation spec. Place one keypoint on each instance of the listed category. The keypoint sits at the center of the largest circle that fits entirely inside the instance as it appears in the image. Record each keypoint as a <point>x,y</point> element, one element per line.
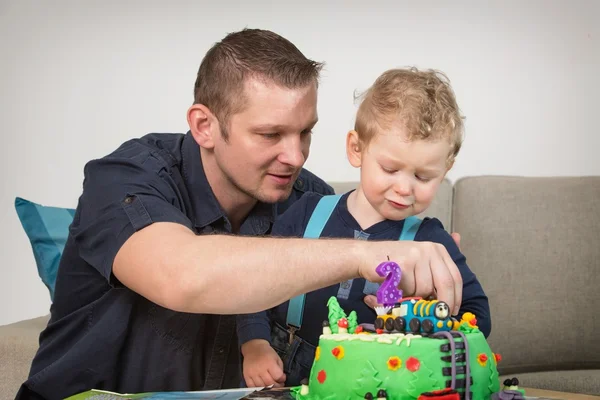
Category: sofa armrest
<point>18,344</point>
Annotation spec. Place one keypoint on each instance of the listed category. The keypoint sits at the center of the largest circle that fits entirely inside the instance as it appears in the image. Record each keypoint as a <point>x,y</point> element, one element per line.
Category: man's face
<point>269,140</point>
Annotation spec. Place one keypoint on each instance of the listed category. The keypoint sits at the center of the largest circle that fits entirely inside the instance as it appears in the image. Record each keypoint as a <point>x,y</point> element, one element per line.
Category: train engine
<point>415,315</point>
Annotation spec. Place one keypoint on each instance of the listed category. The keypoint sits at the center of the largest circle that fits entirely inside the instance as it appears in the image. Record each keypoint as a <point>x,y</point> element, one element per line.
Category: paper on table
<point>224,394</point>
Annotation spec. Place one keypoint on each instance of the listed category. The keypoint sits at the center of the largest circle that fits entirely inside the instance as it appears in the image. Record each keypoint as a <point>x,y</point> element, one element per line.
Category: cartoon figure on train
<point>415,315</point>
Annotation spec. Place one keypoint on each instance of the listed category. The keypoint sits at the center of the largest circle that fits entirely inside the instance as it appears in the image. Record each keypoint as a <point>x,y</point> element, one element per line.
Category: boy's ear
<point>354,149</point>
<point>204,126</point>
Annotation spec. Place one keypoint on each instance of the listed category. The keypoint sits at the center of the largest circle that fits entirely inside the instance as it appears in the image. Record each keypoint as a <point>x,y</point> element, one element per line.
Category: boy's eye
<point>423,179</point>
<point>388,170</point>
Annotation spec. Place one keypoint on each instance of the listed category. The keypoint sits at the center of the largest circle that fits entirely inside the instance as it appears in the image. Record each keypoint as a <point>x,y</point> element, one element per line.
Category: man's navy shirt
<point>350,294</point>
<point>101,334</point>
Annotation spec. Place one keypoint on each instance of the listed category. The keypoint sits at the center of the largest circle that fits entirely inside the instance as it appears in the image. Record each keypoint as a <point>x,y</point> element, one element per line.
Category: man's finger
<point>423,279</point>
<point>443,279</point>
<point>456,277</point>
<point>456,237</point>
<point>371,301</point>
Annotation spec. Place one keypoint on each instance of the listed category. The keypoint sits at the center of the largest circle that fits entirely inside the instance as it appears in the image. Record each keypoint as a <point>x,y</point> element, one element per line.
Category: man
<point>167,242</point>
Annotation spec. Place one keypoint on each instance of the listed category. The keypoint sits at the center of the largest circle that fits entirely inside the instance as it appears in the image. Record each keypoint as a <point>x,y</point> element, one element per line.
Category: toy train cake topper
<point>410,314</point>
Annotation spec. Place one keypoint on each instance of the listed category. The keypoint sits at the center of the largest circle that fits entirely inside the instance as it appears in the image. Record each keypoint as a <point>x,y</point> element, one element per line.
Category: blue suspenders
<point>315,226</point>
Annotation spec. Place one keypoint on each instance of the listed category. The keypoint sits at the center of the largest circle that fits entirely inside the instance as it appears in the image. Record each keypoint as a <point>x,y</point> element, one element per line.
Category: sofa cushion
<point>47,229</point>
<point>532,242</point>
<point>440,208</point>
<point>576,381</point>
<point>18,345</point>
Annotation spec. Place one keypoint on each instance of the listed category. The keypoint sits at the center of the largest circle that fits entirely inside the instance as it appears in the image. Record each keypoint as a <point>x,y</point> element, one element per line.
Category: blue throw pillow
<point>47,229</point>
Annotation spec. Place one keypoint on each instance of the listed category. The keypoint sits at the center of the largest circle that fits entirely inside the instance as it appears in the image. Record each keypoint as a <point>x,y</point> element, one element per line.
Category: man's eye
<point>270,135</point>
<point>307,132</point>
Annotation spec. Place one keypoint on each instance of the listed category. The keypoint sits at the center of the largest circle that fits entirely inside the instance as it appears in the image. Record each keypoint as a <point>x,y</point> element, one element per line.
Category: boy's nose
<point>403,187</point>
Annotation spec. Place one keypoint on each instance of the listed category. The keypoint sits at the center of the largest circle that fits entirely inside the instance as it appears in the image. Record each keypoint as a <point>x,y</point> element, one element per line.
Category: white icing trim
<point>387,338</point>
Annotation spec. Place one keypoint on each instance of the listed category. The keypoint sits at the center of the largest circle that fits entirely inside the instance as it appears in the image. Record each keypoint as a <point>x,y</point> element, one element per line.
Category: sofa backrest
<point>440,208</point>
<point>533,244</point>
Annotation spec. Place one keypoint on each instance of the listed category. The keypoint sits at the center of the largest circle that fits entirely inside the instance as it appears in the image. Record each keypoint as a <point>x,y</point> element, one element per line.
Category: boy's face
<point>398,178</point>
<point>268,141</point>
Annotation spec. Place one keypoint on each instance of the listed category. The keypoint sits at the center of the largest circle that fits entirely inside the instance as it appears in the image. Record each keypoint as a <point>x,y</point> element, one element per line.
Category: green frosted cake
<point>415,350</point>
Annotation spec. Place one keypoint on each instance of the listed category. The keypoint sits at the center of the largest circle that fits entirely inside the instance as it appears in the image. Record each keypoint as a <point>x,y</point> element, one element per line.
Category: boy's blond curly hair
<point>422,102</point>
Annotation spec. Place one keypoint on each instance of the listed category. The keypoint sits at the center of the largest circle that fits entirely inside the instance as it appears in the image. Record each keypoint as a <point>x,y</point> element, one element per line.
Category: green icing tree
<point>368,381</point>
<point>352,321</point>
<point>494,385</point>
<point>335,313</point>
<point>421,381</point>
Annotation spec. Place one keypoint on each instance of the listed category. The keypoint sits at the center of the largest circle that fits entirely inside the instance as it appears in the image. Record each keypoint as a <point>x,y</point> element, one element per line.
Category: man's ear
<point>354,149</point>
<point>203,125</point>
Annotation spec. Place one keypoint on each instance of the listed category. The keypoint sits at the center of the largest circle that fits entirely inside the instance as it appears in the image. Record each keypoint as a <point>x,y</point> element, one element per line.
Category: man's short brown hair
<point>250,53</point>
<point>423,102</point>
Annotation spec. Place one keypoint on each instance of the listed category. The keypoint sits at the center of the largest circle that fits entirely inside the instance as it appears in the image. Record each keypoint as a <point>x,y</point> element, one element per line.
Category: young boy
<point>408,131</point>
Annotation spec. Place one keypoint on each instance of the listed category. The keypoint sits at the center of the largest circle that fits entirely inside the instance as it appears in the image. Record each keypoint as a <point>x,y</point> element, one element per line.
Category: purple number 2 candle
<point>388,293</point>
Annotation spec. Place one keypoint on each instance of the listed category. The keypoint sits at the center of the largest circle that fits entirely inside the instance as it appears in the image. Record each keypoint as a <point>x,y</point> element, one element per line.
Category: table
<point>557,395</point>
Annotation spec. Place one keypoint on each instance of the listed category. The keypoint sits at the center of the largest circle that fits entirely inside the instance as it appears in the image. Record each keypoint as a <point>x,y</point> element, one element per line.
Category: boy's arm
<point>253,326</point>
<point>474,299</point>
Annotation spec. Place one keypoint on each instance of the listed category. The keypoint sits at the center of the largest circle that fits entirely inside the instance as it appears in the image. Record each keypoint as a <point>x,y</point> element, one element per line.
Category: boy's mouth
<point>398,205</point>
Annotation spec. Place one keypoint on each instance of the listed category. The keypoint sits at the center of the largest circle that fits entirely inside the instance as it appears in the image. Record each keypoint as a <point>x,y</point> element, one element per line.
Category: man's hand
<point>427,270</point>
<point>262,366</point>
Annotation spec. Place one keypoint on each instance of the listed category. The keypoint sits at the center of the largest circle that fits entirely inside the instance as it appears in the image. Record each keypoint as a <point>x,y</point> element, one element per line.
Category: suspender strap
<point>410,228</point>
<point>313,230</point>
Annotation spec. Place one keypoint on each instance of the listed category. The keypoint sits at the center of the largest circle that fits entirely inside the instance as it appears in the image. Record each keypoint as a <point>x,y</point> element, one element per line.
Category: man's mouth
<point>281,179</point>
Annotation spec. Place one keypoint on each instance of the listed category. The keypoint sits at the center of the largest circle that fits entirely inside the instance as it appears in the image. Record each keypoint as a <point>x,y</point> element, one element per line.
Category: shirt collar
<point>206,208</point>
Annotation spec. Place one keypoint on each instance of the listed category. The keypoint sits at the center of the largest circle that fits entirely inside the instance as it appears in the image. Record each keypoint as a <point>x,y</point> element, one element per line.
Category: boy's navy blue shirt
<point>101,334</point>
<point>350,294</point>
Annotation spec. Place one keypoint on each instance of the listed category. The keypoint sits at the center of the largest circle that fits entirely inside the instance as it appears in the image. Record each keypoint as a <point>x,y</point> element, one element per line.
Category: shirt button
<point>299,184</point>
<point>128,200</point>
<point>221,350</point>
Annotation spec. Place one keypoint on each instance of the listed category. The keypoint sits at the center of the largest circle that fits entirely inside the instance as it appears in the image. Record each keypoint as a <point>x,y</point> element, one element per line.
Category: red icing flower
<point>412,364</point>
<point>482,359</point>
<point>343,323</point>
<point>497,357</point>
<point>394,363</point>
<point>379,331</point>
<point>321,376</point>
<point>358,329</point>
<point>338,352</point>
<point>473,322</point>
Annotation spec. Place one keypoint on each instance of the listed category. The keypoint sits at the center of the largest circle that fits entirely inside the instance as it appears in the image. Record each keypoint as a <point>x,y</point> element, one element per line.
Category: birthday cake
<point>414,349</point>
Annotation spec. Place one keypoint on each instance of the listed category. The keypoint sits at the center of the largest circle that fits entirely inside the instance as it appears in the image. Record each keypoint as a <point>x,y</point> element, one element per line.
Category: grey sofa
<point>533,243</point>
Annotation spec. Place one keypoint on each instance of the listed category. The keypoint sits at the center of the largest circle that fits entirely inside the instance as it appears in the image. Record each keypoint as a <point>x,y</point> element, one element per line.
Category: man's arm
<point>171,266</point>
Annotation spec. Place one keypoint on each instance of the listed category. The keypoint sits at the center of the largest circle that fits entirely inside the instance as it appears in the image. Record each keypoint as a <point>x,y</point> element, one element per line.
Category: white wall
<point>79,77</point>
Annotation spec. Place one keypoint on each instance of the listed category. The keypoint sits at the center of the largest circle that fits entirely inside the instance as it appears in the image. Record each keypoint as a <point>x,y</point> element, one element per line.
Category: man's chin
<point>273,196</point>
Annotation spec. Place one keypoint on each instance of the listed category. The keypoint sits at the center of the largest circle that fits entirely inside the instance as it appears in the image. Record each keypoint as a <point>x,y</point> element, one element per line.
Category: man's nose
<point>293,153</point>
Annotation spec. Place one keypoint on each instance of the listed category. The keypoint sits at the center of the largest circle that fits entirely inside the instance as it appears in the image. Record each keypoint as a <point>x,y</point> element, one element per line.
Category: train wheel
<point>389,324</point>
<point>400,324</point>
<point>379,323</point>
<point>414,325</point>
<point>427,326</point>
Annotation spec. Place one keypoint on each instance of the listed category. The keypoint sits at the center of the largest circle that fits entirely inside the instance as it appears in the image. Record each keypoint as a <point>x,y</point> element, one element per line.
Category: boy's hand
<point>427,269</point>
<point>262,366</point>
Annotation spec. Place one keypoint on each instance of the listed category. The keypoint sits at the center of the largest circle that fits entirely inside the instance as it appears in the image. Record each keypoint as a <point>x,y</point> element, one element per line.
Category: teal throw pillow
<point>47,229</point>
